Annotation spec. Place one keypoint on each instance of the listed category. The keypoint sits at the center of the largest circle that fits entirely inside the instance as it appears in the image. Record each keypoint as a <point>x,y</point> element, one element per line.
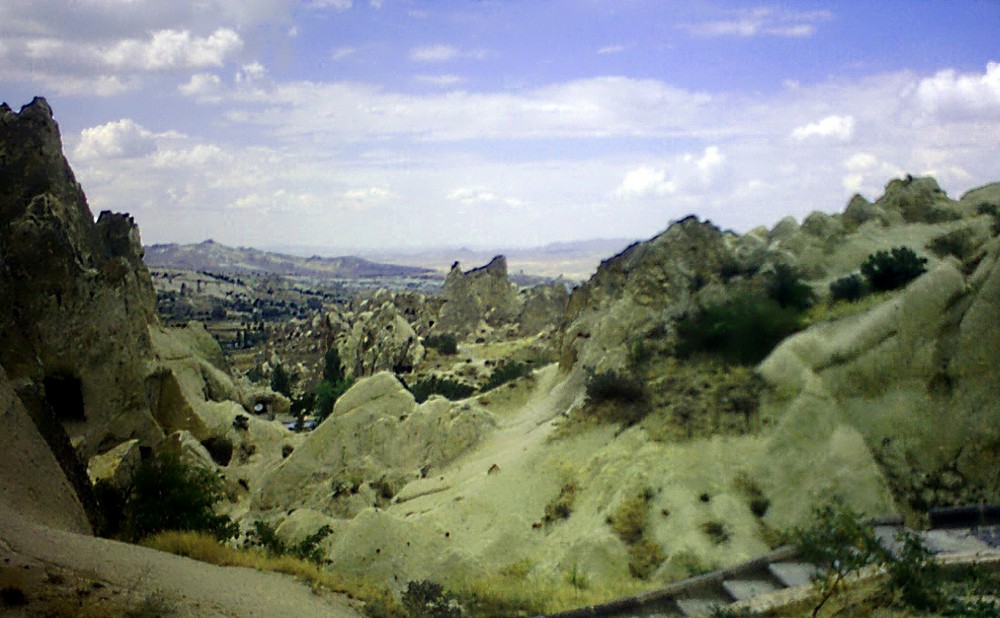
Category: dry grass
<point>528,595</point>
<point>205,548</point>
<point>829,311</point>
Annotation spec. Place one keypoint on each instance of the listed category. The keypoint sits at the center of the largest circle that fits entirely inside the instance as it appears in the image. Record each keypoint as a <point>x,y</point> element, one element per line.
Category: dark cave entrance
<point>64,395</point>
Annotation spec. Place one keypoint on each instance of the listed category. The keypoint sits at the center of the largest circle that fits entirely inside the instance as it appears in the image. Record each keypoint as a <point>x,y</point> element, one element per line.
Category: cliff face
<point>77,299</point>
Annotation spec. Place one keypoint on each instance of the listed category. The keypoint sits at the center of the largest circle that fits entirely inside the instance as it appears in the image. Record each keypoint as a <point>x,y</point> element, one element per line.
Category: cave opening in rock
<point>64,395</point>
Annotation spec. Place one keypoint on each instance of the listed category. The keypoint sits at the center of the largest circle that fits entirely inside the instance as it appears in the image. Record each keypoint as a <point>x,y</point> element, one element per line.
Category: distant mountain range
<point>214,257</point>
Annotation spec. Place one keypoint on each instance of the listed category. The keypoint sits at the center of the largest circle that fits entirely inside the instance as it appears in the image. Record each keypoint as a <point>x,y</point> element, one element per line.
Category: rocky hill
<point>211,256</point>
<point>90,385</point>
<point>649,452</point>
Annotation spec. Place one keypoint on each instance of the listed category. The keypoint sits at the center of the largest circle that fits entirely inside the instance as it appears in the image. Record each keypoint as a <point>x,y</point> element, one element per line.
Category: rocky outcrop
<point>76,298</point>
<point>481,295</point>
<point>915,377</point>
<point>376,440</point>
<point>542,307</point>
<point>639,290</point>
<point>376,335</point>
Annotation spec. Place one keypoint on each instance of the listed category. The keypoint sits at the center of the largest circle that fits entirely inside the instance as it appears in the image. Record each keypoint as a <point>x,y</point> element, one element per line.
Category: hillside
<point>211,256</point>
<point>699,394</point>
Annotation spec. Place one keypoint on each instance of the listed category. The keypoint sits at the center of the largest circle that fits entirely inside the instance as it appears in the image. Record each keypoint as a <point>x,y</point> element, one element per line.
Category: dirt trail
<point>190,587</point>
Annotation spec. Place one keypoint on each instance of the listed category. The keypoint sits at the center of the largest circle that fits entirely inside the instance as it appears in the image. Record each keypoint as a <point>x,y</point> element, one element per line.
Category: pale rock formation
<point>33,483</point>
<point>380,340</point>
<point>376,440</point>
<point>643,287</point>
<point>542,308</point>
<point>860,211</point>
<point>913,378</point>
<point>117,465</point>
<point>480,295</point>
<point>76,296</point>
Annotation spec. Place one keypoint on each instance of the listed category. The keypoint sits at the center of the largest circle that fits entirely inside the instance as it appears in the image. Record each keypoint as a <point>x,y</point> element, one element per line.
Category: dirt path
<point>50,559</point>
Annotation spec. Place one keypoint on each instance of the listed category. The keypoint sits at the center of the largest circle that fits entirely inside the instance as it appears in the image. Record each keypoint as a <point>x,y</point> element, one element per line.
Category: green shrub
<point>914,576</point>
<point>849,288</point>
<point>505,372</point>
<point>741,331</point>
<point>450,389</point>
<point>609,386</point>
<point>562,506</point>
<point>427,599</point>
<point>841,544</point>
<point>167,494</point>
<point>716,531</point>
<point>281,382</point>
<point>446,344</point>
<point>333,368</point>
<point>786,288</point>
<point>891,270</point>
<point>327,394</point>
<point>307,549</point>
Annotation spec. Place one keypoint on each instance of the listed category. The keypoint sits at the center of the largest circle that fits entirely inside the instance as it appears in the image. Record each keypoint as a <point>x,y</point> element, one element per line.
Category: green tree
<point>891,270</point>
<point>167,494</point>
<point>281,382</point>
<point>849,288</point>
<point>787,289</point>
<point>333,368</point>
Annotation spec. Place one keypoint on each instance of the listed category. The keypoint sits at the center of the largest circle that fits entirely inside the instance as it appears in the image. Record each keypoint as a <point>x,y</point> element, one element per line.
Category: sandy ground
<point>62,569</point>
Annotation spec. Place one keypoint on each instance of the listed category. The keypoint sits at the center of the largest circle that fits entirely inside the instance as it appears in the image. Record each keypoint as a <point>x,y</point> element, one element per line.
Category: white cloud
<point>611,49</point>
<point>471,196</point>
<point>173,49</point>
<point>337,5</point>
<point>368,194</point>
<point>203,86</point>
<point>709,161</point>
<point>100,86</point>
<point>376,4</point>
<point>196,156</point>
<point>948,92</point>
<point>861,161</point>
<point>277,201</point>
<point>342,52</point>
<point>762,22</point>
<point>645,181</point>
<point>121,139</point>
<point>434,53</point>
<point>439,80</point>
<point>837,127</point>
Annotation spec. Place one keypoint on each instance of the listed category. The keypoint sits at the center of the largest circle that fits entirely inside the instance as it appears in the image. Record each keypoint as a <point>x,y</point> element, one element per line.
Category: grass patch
<point>378,599</point>
<point>716,531</point>
<point>836,310</point>
<point>562,506</point>
<point>504,373</point>
<point>629,521</point>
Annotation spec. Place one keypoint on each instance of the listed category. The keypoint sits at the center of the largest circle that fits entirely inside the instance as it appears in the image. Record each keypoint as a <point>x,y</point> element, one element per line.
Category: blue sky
<point>392,124</point>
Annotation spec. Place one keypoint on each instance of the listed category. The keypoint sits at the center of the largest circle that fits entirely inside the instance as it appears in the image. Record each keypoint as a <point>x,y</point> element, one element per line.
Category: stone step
<point>886,536</point>
<point>700,606</point>
<point>793,574</point>
<point>742,589</point>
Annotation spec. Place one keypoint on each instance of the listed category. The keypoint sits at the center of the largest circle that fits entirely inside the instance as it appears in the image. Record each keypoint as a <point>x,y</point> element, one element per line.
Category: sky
<point>346,125</point>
